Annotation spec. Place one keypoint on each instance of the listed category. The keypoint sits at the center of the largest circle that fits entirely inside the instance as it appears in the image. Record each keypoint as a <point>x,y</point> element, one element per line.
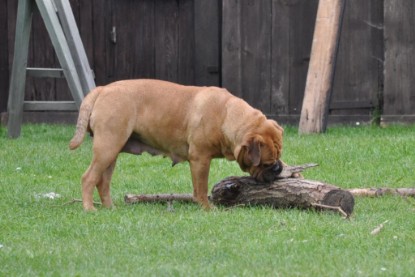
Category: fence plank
<point>207,42</point>
<point>134,46</point>
<point>292,32</point>
<point>41,55</point>
<point>256,52</point>
<point>83,12</point>
<point>281,60</point>
<point>302,22</point>
<point>102,18</point>
<point>166,41</point>
<point>231,47</point>
<point>399,97</point>
<point>360,59</point>
<point>185,43</point>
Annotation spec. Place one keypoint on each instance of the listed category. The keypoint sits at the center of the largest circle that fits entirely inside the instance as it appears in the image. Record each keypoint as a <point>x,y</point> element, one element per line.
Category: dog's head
<point>260,152</point>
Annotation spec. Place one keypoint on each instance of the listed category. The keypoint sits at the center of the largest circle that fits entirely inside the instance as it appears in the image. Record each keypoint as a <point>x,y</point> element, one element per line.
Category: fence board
<point>293,27</point>
<point>231,47</point>
<point>265,52</point>
<point>281,60</point>
<point>41,54</point>
<point>207,42</point>
<point>399,96</point>
<point>303,15</point>
<point>166,42</point>
<point>255,46</point>
<point>247,51</point>
<point>102,18</point>
<point>359,64</point>
<point>134,47</point>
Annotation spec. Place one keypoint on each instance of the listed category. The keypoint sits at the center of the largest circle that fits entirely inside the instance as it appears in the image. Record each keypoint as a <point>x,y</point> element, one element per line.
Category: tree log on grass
<point>288,191</point>
<point>285,192</point>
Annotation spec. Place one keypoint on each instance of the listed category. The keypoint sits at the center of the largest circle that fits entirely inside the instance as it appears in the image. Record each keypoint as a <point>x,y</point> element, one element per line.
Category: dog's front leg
<point>199,168</point>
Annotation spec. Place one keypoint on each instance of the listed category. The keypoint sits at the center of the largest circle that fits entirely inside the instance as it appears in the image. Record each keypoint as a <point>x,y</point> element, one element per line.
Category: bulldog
<point>185,123</point>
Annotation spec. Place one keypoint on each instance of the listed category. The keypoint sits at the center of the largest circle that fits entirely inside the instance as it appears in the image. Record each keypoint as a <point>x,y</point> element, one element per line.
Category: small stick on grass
<point>378,228</point>
<point>76,201</point>
<point>377,192</point>
<point>336,208</point>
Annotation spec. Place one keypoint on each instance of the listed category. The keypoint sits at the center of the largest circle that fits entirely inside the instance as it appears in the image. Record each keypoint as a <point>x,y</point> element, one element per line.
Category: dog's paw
<point>88,208</point>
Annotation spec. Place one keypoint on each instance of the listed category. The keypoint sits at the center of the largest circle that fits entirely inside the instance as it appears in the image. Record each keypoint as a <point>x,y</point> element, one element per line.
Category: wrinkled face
<point>261,151</point>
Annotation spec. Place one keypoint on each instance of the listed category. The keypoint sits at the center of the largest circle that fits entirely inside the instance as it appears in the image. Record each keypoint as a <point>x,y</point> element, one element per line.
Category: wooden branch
<point>376,192</point>
<point>142,198</point>
<point>378,228</point>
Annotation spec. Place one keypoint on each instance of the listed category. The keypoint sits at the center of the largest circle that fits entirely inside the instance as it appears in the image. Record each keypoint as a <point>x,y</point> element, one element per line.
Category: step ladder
<point>63,32</point>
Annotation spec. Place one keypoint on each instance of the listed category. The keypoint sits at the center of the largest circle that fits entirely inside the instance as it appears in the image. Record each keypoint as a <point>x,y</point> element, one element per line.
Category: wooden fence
<point>258,49</point>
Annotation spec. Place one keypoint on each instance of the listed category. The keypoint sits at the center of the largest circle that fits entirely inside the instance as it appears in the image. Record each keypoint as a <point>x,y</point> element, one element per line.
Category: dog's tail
<point>83,118</point>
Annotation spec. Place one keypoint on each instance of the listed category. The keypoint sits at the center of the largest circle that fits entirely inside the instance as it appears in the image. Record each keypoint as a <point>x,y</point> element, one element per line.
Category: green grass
<point>43,237</point>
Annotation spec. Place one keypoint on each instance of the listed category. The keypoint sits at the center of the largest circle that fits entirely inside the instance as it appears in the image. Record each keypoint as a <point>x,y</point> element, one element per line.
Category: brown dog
<point>186,123</point>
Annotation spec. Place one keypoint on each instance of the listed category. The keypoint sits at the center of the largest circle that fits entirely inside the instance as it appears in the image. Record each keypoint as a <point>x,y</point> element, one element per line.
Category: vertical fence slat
<point>231,46</point>
<point>399,95</point>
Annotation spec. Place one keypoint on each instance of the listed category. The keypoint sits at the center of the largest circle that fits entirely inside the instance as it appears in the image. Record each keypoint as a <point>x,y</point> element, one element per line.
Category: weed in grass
<point>42,236</point>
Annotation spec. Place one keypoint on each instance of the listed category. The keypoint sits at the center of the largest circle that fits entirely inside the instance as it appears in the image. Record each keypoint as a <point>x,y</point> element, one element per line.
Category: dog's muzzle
<point>268,174</point>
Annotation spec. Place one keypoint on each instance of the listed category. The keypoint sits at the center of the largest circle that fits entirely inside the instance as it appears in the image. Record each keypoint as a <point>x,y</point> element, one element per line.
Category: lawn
<point>48,237</point>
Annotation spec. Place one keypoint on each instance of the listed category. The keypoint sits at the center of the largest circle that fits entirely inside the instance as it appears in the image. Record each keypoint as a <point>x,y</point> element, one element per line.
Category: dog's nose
<point>277,168</point>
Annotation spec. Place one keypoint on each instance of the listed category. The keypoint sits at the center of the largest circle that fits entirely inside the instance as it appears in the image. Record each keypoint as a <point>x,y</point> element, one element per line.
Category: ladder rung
<point>45,72</point>
<point>50,106</point>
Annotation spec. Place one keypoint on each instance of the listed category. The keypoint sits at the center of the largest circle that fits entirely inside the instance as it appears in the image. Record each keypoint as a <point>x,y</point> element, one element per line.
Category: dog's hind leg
<point>89,180</point>
<point>105,148</point>
<point>103,186</point>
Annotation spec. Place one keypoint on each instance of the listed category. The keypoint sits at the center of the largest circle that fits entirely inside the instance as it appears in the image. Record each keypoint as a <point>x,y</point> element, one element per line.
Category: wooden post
<point>18,77</point>
<point>322,64</point>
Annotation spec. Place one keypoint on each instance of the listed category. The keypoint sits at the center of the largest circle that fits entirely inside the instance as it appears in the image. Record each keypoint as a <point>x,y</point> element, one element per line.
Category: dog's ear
<point>249,153</point>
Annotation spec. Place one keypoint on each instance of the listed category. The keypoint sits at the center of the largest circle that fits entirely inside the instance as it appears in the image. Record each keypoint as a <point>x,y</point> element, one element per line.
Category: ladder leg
<point>76,46</point>
<point>60,44</point>
<point>18,76</point>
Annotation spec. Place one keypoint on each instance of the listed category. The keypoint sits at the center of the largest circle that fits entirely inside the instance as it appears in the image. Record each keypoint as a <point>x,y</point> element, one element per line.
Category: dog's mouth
<point>268,173</point>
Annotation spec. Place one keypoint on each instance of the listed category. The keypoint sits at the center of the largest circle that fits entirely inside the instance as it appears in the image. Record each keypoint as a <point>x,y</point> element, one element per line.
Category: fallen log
<point>282,193</point>
<point>288,191</point>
